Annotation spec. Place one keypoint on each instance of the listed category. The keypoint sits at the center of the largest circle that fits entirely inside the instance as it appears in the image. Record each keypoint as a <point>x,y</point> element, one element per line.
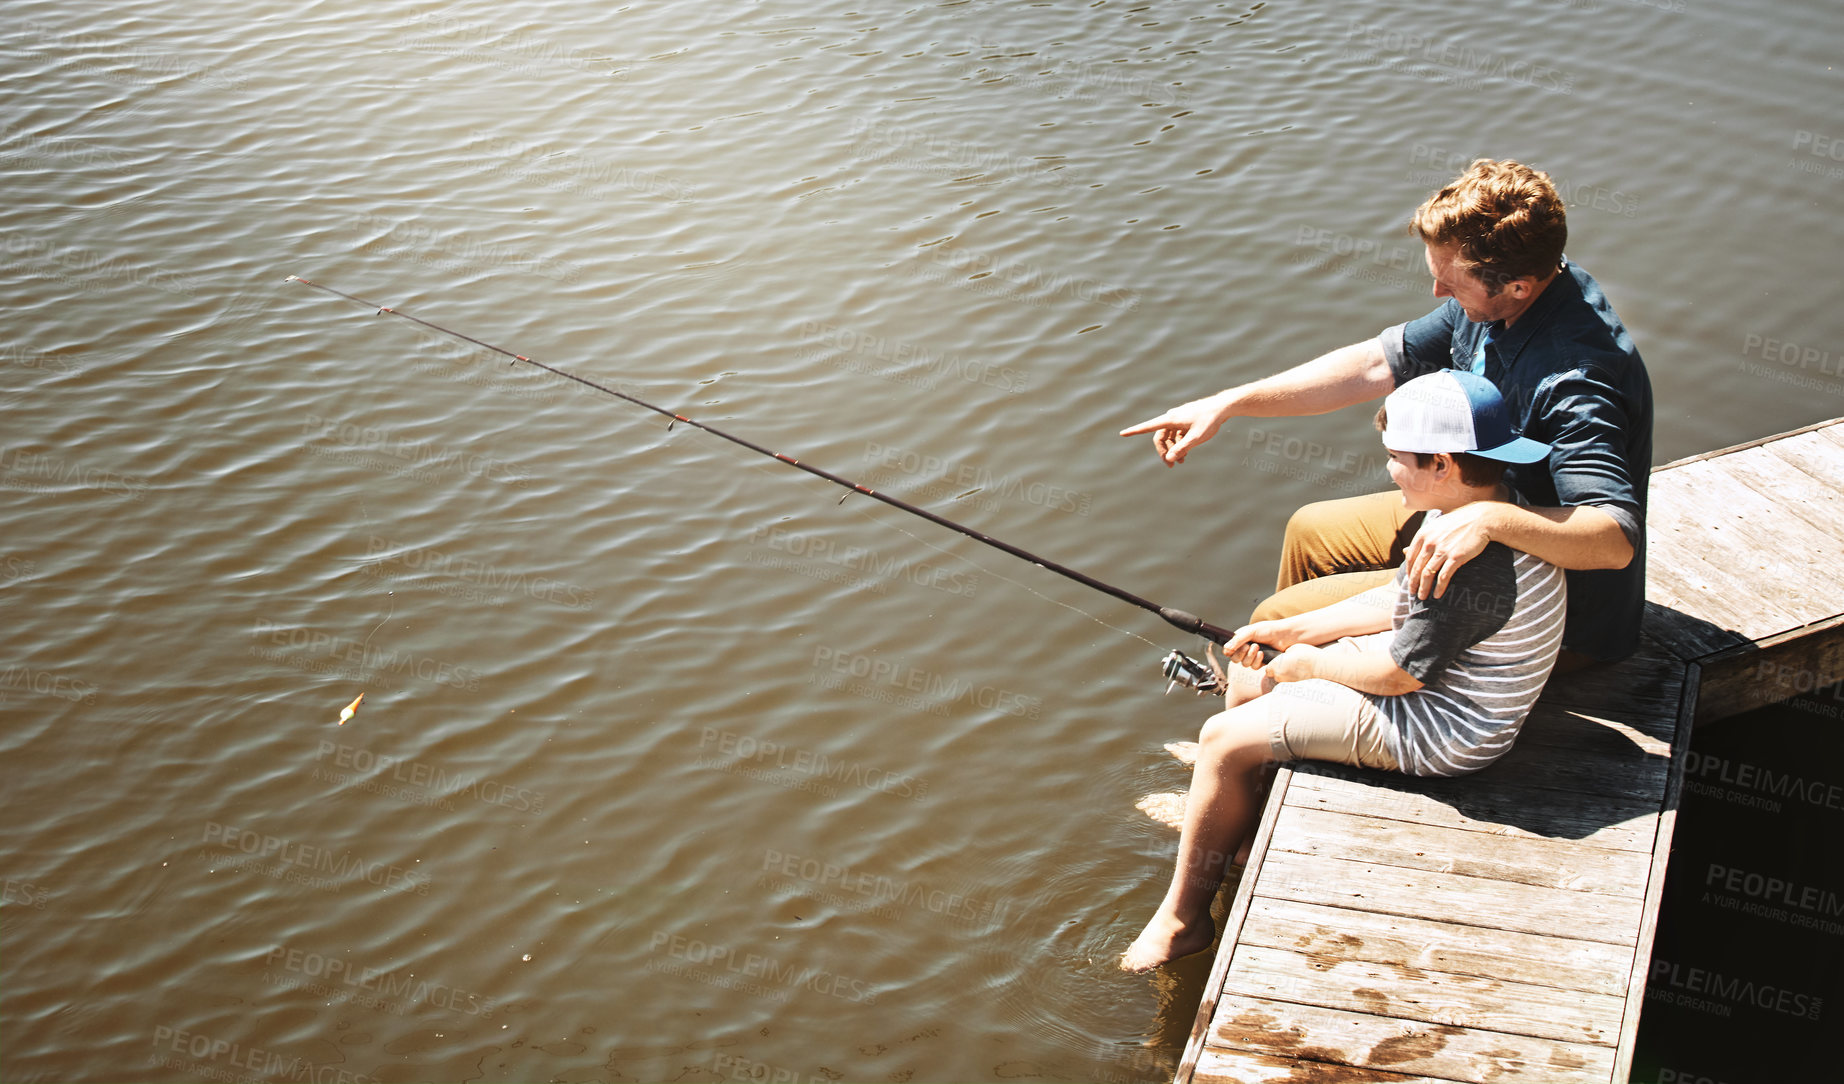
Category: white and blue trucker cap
<point>1455,411</point>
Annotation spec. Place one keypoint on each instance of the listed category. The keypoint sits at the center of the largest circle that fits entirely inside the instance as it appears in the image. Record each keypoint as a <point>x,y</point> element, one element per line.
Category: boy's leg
<point>1336,549</point>
<point>1324,720</point>
<point>1234,753</point>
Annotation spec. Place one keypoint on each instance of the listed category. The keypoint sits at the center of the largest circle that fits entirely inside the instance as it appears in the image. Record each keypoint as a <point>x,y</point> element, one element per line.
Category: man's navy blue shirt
<point>1571,376</point>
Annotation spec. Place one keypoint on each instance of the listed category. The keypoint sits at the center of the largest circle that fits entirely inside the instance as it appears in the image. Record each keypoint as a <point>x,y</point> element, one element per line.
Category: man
<point>1436,686</point>
<point>1540,329</point>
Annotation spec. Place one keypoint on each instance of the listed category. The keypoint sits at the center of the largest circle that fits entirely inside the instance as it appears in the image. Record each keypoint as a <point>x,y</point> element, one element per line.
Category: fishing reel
<point>1206,677</point>
<point>1184,670</point>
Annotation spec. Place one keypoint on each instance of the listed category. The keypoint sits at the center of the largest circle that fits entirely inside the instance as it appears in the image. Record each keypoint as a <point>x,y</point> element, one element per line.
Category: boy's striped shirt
<point>1482,652</point>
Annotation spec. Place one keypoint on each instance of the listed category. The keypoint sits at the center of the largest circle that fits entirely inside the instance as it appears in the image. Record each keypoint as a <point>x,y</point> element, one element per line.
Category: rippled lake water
<point>670,765</point>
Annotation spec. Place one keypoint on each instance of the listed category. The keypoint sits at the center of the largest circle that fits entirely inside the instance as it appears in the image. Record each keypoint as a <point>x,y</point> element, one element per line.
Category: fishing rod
<point>1175,666</point>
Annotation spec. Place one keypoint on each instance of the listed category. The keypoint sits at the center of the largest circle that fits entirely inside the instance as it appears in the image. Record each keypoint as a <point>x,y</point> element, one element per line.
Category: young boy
<point>1435,686</point>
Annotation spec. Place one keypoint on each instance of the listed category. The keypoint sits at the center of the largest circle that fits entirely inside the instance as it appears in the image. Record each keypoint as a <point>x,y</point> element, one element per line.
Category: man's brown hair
<point>1505,218</point>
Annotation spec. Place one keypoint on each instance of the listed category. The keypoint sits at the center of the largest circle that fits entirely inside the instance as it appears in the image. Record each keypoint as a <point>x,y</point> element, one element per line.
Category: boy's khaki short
<point>1323,720</point>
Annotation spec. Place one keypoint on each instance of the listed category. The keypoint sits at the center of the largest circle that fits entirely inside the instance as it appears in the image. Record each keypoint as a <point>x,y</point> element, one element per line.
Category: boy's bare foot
<point>1185,752</point>
<point>1167,808</point>
<point>1164,940</point>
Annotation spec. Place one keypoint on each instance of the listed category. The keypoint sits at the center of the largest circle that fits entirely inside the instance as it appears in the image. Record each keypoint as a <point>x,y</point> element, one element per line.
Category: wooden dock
<point>1498,927</point>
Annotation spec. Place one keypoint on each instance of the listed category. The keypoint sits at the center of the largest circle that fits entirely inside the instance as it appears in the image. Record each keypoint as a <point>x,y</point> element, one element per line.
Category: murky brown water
<point>669,766</point>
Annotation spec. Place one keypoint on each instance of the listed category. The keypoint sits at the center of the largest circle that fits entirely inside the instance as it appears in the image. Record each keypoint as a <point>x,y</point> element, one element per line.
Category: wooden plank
<point>1571,866</point>
<point>1685,583</point>
<point>1680,576</point>
<point>1640,690</point>
<point>1752,536</point>
<point>1625,763</point>
<point>1777,671</point>
<point>1595,967</point>
<point>1749,650</point>
<point>1433,997</point>
<point>1682,573</point>
<point>1619,770</point>
<point>1506,809</point>
<point>1691,564</point>
<point>1232,924</point>
<point>1655,882</point>
<point>1832,433</point>
<point>1442,1051</point>
<point>1682,585</point>
<point>1631,736</point>
<point>1815,455</point>
<point>1464,901</point>
<point>1621,697</point>
<point>1687,636</point>
<point>1241,1067</point>
<point>1684,577</point>
<point>1815,502</point>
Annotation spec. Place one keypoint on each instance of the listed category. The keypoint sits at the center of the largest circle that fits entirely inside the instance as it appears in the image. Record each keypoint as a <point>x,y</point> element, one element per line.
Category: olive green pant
<point>1334,550</point>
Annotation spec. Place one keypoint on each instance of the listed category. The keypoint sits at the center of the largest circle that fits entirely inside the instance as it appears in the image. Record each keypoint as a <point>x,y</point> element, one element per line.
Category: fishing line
<point>392,594</point>
<point>1002,576</point>
<point>379,625</point>
<point>951,555</point>
<point>1189,622</point>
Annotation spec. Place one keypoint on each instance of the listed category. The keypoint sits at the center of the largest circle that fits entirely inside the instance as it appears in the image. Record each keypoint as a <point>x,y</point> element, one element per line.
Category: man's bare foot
<point>1167,808</point>
<point>1185,752</point>
<point>1165,939</point>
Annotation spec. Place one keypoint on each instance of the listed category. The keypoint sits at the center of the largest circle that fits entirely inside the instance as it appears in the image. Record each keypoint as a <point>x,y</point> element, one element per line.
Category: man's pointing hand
<point>1182,428</point>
